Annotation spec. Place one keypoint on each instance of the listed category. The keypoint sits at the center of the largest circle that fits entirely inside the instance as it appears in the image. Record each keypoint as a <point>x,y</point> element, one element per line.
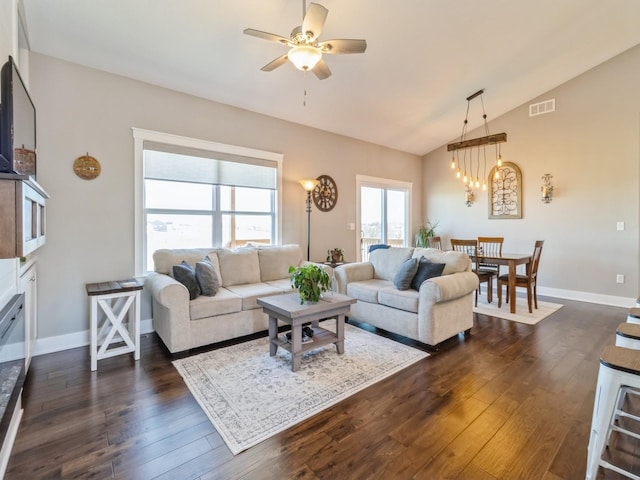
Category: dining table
<point>512,260</point>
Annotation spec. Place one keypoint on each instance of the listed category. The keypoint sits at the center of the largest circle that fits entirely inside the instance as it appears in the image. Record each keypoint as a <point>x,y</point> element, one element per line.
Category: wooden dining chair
<point>470,247</point>
<point>490,246</point>
<point>435,242</point>
<point>529,280</point>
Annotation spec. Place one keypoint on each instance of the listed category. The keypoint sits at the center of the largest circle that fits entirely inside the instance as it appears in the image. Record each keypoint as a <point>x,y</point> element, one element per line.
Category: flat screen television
<point>17,124</point>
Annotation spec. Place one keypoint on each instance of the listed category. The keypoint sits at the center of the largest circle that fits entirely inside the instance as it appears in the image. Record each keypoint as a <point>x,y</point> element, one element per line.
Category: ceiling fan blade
<point>340,46</point>
<point>321,70</point>
<point>272,65</point>
<point>266,36</point>
<point>313,21</point>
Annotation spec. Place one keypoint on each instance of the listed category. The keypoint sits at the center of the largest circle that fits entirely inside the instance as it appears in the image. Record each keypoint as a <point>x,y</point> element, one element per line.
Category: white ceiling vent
<point>540,108</point>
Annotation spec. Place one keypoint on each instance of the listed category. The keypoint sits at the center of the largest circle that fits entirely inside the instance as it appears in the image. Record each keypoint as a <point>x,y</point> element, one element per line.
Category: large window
<point>191,193</point>
<point>384,213</point>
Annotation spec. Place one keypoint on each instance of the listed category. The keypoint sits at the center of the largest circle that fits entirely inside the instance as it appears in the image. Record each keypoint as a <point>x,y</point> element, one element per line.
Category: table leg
<point>340,333</point>
<point>273,335</point>
<point>94,333</point>
<point>512,287</point>
<point>296,346</point>
<point>136,326</point>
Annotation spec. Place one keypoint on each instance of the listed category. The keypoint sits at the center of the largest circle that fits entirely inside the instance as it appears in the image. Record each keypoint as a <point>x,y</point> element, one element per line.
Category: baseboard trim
<point>73,340</point>
<point>81,339</point>
<point>588,297</point>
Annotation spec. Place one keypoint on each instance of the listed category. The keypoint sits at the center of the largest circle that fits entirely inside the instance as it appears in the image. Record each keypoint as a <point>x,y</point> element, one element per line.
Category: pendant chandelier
<point>463,163</point>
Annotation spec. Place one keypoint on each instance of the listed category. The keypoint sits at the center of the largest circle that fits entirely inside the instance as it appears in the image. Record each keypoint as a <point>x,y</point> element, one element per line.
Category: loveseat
<point>242,276</point>
<point>432,311</point>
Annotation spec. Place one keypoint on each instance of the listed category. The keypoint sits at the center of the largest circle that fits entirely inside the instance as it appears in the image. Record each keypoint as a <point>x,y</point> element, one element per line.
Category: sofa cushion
<point>207,277</point>
<point>223,302</point>
<point>404,276</point>
<point>454,261</point>
<point>239,266</point>
<point>284,285</point>
<point>275,261</point>
<point>426,270</point>
<point>387,262</point>
<point>367,290</point>
<point>400,299</point>
<point>250,293</point>
<point>165,258</point>
<point>186,275</point>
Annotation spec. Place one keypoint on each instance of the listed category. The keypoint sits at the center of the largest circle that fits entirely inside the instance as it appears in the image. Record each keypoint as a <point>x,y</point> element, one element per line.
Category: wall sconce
<point>547,188</point>
<point>468,196</point>
<point>309,186</point>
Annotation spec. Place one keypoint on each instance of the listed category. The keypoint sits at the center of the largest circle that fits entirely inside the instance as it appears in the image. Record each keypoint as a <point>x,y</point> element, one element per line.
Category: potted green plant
<point>424,233</point>
<point>310,280</point>
<point>335,256</point>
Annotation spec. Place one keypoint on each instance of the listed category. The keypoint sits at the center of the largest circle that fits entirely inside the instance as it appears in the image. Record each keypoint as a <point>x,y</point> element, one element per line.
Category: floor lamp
<point>308,186</point>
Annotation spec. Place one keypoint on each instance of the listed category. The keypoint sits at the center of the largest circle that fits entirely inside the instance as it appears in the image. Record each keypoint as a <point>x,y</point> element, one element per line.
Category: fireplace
<point>12,369</point>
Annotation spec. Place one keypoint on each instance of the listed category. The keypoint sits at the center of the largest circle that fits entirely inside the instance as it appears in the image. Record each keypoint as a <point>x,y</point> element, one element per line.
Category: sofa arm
<point>170,309</point>
<point>166,290</point>
<point>352,272</point>
<point>324,266</point>
<point>448,287</point>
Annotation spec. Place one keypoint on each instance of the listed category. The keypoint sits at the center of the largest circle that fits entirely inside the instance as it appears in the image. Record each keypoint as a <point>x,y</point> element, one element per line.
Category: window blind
<point>185,164</point>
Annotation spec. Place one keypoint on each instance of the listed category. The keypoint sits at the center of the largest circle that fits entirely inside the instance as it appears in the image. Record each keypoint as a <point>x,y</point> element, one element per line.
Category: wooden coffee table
<point>287,309</point>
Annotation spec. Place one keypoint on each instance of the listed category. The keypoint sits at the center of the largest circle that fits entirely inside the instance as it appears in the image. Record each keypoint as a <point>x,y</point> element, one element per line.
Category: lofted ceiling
<point>407,91</point>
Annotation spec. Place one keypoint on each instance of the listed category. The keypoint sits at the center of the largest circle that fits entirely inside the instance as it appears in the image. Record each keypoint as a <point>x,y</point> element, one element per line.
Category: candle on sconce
<point>546,188</point>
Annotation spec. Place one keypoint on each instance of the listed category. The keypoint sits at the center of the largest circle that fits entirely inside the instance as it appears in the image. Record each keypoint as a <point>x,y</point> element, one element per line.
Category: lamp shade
<point>309,184</point>
<point>304,57</point>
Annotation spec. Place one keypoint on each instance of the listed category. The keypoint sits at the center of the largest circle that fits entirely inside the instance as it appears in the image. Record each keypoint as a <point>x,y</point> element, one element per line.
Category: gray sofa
<point>244,275</point>
<point>440,309</point>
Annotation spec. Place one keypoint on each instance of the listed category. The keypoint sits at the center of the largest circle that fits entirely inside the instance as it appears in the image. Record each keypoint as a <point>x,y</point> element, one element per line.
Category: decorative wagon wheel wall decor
<point>325,195</point>
<point>505,196</point>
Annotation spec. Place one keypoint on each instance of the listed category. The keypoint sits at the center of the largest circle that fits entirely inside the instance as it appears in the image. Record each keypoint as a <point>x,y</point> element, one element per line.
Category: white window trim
<point>377,182</point>
<point>140,136</point>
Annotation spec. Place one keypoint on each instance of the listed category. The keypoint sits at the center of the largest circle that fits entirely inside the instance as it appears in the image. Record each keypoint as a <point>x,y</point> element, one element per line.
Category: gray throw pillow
<point>207,277</point>
<point>186,275</point>
<point>408,269</point>
<point>426,270</point>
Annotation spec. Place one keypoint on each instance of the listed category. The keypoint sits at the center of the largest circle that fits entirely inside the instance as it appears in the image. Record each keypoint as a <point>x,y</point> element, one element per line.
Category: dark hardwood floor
<point>510,401</point>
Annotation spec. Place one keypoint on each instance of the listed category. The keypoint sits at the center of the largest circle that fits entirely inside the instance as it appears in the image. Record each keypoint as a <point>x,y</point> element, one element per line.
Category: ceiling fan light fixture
<point>304,57</point>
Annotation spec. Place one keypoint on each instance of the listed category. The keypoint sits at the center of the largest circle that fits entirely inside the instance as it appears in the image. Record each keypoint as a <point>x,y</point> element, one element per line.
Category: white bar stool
<point>634,315</point>
<point>628,335</point>
<point>619,368</point>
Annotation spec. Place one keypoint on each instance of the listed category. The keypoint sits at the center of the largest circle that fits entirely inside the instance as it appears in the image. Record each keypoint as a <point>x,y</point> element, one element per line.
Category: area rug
<point>250,396</point>
<point>522,314</point>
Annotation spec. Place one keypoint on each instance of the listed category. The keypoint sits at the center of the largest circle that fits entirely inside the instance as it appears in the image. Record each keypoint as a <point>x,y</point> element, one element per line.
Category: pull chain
<point>304,88</point>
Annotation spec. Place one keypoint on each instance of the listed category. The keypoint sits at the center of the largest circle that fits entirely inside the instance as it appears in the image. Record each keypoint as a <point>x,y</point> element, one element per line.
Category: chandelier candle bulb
<point>546,188</point>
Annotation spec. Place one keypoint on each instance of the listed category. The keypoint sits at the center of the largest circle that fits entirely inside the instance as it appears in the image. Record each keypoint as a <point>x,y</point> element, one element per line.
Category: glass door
<point>384,214</point>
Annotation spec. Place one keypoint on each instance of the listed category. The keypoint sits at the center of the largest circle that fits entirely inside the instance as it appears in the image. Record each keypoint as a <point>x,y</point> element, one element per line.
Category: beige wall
<point>90,234</point>
<point>590,145</point>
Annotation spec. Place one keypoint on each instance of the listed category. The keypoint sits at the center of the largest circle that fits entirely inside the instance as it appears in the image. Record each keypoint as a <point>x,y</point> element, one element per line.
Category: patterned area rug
<point>250,396</point>
<point>522,314</point>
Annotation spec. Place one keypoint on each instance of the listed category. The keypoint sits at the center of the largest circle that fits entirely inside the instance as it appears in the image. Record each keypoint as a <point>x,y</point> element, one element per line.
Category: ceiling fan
<point>306,51</point>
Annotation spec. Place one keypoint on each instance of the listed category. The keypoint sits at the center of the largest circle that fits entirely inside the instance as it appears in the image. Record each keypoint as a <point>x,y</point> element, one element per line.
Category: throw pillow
<point>207,277</point>
<point>376,246</point>
<point>186,275</point>
<point>426,270</point>
<point>408,269</point>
